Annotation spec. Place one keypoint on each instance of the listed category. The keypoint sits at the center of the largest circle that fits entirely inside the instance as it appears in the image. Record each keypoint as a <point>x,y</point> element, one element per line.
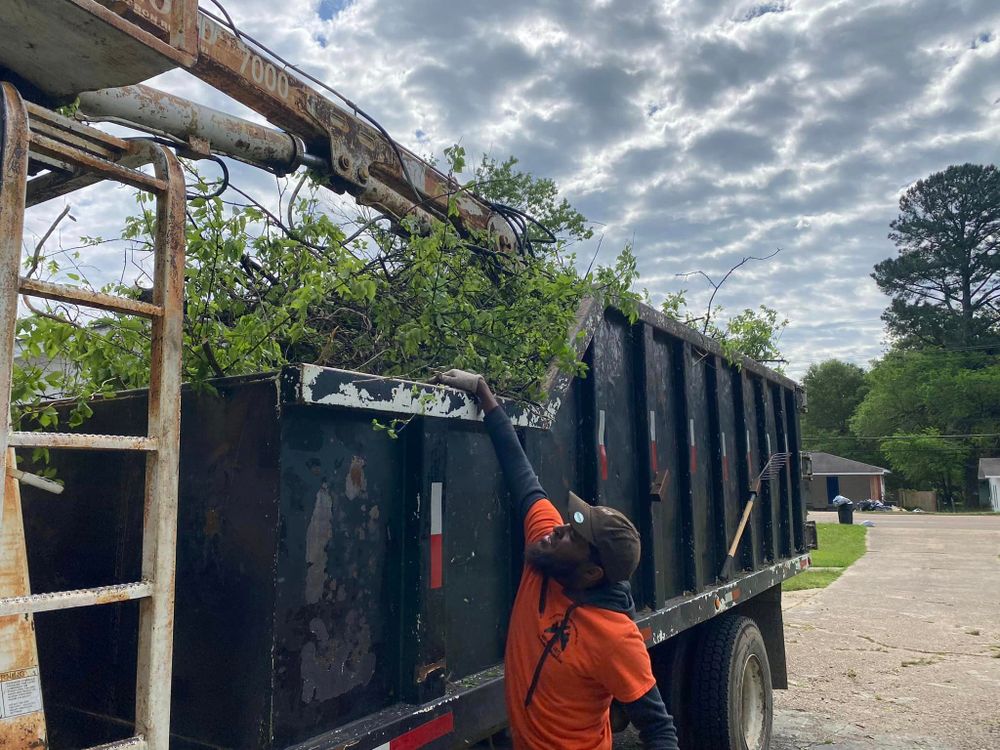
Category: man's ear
<point>592,574</point>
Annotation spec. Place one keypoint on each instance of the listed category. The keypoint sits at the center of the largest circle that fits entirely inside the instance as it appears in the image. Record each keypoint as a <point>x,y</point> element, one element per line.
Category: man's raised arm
<point>522,482</point>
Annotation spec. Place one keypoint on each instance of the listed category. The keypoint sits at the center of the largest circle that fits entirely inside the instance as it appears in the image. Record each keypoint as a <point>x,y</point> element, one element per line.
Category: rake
<point>774,465</point>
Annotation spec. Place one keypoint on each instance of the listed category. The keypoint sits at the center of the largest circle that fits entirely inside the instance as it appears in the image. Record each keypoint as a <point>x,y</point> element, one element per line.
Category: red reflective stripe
<point>437,550</point>
<point>604,462</point>
<point>432,730</point>
<point>725,469</point>
<point>652,456</point>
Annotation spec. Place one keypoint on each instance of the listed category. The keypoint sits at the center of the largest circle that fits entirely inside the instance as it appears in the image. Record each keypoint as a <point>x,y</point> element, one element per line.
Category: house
<point>989,482</point>
<point>834,475</point>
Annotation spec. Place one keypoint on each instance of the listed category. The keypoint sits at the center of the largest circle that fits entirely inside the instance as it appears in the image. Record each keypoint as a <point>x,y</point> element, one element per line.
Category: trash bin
<point>845,512</point>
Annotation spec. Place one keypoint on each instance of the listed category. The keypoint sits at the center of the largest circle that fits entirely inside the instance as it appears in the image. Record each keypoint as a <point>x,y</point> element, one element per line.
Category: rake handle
<point>743,524</point>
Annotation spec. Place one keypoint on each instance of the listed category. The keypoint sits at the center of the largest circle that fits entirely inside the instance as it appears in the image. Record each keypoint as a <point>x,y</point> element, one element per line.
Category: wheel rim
<point>753,703</point>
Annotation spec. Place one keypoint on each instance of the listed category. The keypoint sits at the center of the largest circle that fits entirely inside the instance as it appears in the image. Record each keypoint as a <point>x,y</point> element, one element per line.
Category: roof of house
<point>989,467</point>
<point>827,464</point>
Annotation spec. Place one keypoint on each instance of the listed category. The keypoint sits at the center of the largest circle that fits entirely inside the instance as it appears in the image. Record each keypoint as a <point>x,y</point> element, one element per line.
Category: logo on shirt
<point>562,632</point>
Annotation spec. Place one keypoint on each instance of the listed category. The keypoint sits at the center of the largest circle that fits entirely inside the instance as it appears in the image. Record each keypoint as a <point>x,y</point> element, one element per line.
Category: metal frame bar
<point>76,295</point>
<point>14,136</point>
<point>81,441</point>
<point>88,150</point>
<point>122,592</point>
<point>159,534</point>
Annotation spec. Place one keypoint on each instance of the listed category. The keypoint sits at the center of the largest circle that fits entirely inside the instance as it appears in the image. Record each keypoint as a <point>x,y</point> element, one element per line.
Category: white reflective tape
<point>436,492</point>
<point>768,443</point>
<point>748,441</point>
<point>724,454</point>
<point>786,444</point>
<point>691,430</point>
<point>600,427</point>
<point>384,746</point>
<point>652,426</point>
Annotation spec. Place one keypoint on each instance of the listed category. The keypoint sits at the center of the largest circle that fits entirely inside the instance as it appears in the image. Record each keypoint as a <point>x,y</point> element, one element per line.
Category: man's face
<point>560,553</point>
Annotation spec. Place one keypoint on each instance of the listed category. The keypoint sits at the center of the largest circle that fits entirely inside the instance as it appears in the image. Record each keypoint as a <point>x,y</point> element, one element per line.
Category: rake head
<point>772,468</point>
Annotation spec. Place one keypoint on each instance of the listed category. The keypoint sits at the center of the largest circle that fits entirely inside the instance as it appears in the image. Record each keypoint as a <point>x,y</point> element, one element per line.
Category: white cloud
<point>706,131</point>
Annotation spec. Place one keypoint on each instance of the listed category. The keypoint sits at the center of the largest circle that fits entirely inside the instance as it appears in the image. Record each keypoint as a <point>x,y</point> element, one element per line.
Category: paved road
<point>903,651</point>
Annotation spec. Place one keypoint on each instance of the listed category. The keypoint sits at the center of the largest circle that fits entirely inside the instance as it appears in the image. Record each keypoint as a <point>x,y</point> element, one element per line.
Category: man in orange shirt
<point>572,644</point>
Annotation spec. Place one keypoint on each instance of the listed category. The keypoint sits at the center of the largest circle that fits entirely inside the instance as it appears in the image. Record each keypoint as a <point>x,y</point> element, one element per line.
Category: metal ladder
<point>33,139</point>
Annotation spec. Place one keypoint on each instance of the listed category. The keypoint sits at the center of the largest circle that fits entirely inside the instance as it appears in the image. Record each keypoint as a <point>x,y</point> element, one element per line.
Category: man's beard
<point>542,561</point>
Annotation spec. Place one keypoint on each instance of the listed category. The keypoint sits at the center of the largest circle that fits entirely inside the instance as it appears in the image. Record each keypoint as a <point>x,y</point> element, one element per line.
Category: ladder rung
<point>80,441</point>
<point>77,295</point>
<point>132,743</point>
<point>111,170</point>
<point>122,592</point>
<point>96,139</point>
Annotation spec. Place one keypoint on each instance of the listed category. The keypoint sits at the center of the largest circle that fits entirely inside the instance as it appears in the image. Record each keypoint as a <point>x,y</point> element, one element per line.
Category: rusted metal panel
<point>727,454</point>
<point>667,456</point>
<point>23,727</point>
<point>63,47</point>
<point>708,560</point>
<point>337,613</point>
<point>795,470</point>
<point>476,548</point>
<point>616,439</point>
<point>783,480</point>
<point>755,458</point>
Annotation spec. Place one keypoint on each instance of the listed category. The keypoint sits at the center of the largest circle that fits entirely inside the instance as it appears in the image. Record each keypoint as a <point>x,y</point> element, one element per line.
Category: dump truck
<point>258,566</point>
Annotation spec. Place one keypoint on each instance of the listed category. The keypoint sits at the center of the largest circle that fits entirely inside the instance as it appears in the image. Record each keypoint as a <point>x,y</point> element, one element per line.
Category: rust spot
<point>213,525</point>
<point>357,483</point>
<point>425,671</point>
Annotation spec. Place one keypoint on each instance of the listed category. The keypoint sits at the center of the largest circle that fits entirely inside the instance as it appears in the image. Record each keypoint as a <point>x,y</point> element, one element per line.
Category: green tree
<point>944,280</point>
<point>754,334</point>
<point>262,291</point>
<point>835,389</point>
<point>916,398</point>
<point>750,333</point>
<point>538,197</point>
<point>929,460</point>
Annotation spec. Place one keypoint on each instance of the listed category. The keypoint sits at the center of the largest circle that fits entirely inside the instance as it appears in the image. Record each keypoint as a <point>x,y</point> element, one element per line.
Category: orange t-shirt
<point>600,656</point>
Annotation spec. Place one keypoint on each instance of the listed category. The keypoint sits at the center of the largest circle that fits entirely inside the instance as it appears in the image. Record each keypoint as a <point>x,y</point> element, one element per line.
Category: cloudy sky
<point>705,131</point>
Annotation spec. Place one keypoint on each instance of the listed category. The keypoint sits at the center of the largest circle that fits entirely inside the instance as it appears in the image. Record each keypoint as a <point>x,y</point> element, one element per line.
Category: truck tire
<point>732,703</point>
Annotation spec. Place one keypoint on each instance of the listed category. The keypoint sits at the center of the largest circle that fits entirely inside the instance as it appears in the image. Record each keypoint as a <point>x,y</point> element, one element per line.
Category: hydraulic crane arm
<point>360,157</point>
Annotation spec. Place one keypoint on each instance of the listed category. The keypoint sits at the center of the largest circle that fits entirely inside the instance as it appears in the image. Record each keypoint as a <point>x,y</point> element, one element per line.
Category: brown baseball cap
<point>610,531</point>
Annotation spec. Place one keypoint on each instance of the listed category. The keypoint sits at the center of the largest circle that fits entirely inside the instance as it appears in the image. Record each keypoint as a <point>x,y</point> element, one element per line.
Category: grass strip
<point>840,546</point>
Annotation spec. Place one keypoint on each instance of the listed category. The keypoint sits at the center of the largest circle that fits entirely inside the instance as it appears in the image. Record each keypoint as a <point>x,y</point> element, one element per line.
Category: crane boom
<point>361,158</point>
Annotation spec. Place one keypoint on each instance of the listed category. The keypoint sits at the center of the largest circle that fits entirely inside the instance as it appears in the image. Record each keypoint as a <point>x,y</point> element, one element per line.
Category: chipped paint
<point>318,536</point>
<point>339,652</point>
<point>332,387</point>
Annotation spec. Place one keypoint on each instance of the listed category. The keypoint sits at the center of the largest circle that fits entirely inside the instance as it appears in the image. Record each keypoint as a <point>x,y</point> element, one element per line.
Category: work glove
<point>461,379</point>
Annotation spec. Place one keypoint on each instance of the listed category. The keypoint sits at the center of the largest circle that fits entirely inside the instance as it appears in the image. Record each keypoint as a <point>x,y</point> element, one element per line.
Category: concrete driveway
<point>903,650</point>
